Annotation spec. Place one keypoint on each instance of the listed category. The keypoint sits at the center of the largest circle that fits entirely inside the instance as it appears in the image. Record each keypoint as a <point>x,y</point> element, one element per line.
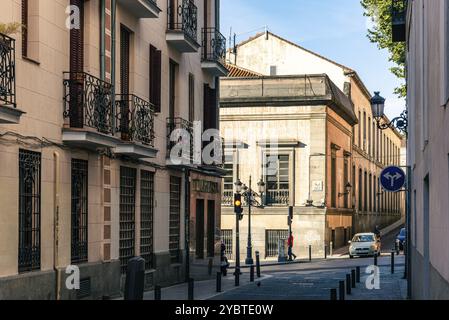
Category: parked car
<point>400,241</point>
<point>364,245</point>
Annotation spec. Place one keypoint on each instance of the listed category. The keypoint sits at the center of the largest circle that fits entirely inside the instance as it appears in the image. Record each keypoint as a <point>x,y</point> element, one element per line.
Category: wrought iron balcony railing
<point>398,19</point>
<point>227,198</point>
<point>213,45</point>
<point>183,16</point>
<point>278,197</point>
<point>88,102</point>
<point>7,71</point>
<point>180,132</point>
<point>135,119</point>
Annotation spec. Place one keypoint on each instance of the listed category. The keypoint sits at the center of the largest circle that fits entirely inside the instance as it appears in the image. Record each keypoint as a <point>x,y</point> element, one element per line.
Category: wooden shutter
<point>76,67</point>
<point>155,77</point>
<point>25,28</point>
<point>124,82</point>
<point>191,97</point>
<point>210,108</point>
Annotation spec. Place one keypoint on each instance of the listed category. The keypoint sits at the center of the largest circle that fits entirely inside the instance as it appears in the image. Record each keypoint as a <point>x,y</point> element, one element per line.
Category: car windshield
<point>363,238</point>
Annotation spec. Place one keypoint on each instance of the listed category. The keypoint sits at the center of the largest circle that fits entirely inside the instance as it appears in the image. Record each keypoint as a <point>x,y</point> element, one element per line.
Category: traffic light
<point>290,215</point>
<point>238,209</point>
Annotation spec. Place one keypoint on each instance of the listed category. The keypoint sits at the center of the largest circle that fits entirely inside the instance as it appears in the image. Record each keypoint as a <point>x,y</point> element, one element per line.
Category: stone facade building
<point>331,167</point>
<point>90,94</point>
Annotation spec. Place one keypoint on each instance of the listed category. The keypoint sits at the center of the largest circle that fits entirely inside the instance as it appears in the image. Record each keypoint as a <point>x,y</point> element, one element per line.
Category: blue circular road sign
<point>392,179</point>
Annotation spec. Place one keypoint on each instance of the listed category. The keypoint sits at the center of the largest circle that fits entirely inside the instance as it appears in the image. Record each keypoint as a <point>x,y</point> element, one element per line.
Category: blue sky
<point>333,28</point>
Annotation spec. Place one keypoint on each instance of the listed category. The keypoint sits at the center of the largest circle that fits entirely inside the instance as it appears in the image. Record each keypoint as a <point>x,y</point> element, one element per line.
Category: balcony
<point>213,53</point>
<point>88,111</point>
<point>9,114</point>
<point>141,8</point>
<point>278,198</point>
<point>179,142</point>
<point>398,19</point>
<point>227,198</point>
<point>135,120</point>
<point>182,26</point>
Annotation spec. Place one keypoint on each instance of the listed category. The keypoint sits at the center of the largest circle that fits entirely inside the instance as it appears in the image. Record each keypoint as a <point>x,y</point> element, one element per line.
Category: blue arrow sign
<point>392,179</point>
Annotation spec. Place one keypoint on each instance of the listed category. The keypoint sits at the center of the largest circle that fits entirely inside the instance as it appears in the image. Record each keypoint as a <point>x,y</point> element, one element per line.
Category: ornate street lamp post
<point>378,108</point>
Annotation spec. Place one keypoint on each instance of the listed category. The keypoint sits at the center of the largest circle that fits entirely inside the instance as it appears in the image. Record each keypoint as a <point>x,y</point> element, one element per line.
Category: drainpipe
<point>187,222</point>
<point>102,39</point>
<point>56,226</point>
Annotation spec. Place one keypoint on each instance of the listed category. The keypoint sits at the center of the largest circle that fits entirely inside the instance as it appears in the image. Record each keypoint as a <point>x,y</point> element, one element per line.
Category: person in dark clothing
<point>377,232</point>
<point>290,248</point>
<point>224,260</point>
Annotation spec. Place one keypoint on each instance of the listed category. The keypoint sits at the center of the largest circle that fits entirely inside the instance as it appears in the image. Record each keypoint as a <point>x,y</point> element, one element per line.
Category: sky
<point>334,29</point>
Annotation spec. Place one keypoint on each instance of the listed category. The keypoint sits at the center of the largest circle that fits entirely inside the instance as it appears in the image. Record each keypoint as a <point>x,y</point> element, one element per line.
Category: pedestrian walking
<point>290,248</point>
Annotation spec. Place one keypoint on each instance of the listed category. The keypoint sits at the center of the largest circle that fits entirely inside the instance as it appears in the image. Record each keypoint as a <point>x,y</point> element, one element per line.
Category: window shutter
<point>155,77</point>
<point>206,107</point>
<point>25,28</point>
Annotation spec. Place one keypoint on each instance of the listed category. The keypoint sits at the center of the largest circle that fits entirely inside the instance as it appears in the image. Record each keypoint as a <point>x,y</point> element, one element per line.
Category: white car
<point>364,244</point>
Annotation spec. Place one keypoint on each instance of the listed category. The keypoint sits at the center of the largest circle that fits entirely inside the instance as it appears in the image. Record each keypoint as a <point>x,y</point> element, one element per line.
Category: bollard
<point>357,274</point>
<point>190,289</point>
<point>135,279</point>
<point>348,284</point>
<point>237,276</point>
<point>375,259</point>
<point>353,278</point>
<point>218,281</point>
<point>333,294</point>
<point>331,249</point>
<point>325,251</point>
<point>341,287</point>
<point>310,253</point>
<point>258,264</point>
<point>392,262</point>
<point>157,293</point>
<point>251,273</point>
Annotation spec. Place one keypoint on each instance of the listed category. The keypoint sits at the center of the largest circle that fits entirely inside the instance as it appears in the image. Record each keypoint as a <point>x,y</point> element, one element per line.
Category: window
<point>127,215</point>
<point>79,248</point>
<point>334,179</point>
<point>29,211</point>
<point>228,180</point>
<point>30,29</point>
<point>191,97</point>
<point>146,218</point>
<point>360,130</point>
<point>155,77</point>
<point>77,41</point>
<point>365,192</point>
<point>360,190</point>
<point>210,108</point>
<point>175,219</point>
<point>277,179</point>
<point>272,238</point>
<point>346,182</point>
<point>226,237</point>
<point>370,193</point>
<point>364,131</point>
<point>125,57</point>
<point>172,89</point>
<point>369,143</point>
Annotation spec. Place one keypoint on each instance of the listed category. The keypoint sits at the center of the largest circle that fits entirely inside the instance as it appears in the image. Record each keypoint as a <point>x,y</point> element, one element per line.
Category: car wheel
<point>351,257</point>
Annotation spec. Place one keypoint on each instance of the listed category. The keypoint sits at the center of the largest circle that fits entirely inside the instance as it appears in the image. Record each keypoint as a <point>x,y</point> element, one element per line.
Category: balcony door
<point>172,102</point>
<point>125,40</point>
<point>199,229</point>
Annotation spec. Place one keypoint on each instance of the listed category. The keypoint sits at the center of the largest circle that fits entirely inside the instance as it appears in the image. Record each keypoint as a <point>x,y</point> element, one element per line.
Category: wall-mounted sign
<point>205,186</point>
<point>317,186</point>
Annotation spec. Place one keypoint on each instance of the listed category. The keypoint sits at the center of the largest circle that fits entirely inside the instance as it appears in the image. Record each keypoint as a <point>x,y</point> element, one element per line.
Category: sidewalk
<point>204,290</point>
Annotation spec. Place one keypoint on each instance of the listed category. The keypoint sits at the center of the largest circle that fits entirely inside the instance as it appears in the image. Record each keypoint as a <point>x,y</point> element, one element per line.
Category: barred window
<point>29,211</point>
<point>228,180</point>
<point>277,179</point>
<point>79,245</point>
<point>272,238</point>
<point>127,215</point>
<point>146,219</point>
<point>175,218</point>
<point>226,237</point>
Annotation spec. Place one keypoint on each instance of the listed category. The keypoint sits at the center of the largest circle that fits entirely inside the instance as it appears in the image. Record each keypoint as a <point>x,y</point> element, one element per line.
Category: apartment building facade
<point>353,199</point>
<point>424,27</point>
<point>92,103</point>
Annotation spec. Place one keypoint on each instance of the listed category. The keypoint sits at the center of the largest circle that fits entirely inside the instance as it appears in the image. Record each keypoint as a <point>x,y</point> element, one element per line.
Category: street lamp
<point>348,188</point>
<point>238,189</point>
<point>378,109</point>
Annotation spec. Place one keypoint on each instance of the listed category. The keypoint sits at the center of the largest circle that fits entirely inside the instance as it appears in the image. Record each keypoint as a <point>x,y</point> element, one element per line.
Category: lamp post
<point>248,193</point>
<point>238,189</point>
<point>378,109</point>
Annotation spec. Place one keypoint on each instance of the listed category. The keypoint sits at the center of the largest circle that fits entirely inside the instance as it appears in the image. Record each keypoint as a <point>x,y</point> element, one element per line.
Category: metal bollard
<point>325,251</point>
<point>348,284</point>
<point>310,253</point>
<point>333,294</point>
<point>190,289</point>
<point>237,276</point>
<point>251,273</point>
<point>135,279</point>
<point>375,259</point>
<point>157,293</point>
<point>331,248</point>
<point>258,264</point>
<point>392,262</point>
<point>353,278</point>
<point>357,274</point>
<point>341,289</point>
<point>218,281</point>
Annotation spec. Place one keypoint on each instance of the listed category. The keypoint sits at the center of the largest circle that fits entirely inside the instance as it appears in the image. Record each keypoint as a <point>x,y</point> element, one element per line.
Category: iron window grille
<point>127,215</point>
<point>135,119</point>
<point>226,237</point>
<point>228,181</point>
<point>272,238</point>
<point>278,180</point>
<point>7,71</point>
<point>88,102</point>
<point>29,211</point>
<point>213,45</point>
<point>79,244</point>
<point>183,16</point>
<point>146,219</point>
<point>175,219</point>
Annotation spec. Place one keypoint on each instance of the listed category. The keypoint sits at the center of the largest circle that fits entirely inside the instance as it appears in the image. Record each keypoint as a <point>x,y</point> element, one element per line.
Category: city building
<point>424,27</point>
<point>93,95</point>
<point>339,174</point>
